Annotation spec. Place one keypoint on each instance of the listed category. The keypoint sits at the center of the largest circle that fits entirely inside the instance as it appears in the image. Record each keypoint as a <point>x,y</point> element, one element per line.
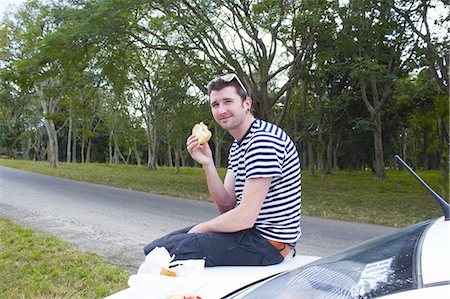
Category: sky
<point>5,4</point>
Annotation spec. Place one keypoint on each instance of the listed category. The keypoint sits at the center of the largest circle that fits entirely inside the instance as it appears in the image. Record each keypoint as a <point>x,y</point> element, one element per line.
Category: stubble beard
<point>234,123</point>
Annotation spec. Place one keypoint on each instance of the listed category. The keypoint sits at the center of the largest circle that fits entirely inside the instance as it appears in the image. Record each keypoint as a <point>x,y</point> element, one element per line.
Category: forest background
<point>123,81</point>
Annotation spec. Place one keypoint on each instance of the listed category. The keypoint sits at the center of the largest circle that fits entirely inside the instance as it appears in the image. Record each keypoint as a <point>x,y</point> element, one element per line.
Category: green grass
<point>357,196</point>
<point>35,265</point>
<point>345,195</point>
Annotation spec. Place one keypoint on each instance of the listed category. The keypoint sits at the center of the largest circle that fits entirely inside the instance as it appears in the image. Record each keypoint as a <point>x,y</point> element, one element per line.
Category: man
<point>260,198</point>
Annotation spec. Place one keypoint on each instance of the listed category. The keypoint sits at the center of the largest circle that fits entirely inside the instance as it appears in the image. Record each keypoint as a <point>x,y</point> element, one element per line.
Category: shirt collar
<point>250,129</point>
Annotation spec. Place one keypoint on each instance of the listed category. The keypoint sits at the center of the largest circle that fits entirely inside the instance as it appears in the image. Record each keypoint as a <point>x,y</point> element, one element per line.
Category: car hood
<point>222,280</point>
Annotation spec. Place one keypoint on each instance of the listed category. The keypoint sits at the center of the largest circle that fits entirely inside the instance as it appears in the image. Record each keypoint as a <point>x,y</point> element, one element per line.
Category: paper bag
<point>148,281</point>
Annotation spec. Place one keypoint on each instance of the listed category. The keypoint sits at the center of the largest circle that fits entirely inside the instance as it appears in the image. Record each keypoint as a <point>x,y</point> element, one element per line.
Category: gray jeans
<point>243,248</point>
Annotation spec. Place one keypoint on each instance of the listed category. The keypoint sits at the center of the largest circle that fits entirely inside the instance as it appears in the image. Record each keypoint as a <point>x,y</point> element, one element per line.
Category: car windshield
<point>380,266</point>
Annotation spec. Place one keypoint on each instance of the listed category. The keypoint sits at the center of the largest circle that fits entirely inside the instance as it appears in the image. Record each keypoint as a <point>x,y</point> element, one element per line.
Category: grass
<point>35,265</point>
<point>345,195</point>
<point>357,196</point>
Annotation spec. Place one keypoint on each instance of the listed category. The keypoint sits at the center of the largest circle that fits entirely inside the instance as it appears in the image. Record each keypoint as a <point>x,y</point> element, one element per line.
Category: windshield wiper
<point>445,206</point>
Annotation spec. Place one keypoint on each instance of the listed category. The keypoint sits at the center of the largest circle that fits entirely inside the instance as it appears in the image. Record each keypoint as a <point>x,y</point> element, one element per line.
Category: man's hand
<point>197,229</point>
<point>200,153</point>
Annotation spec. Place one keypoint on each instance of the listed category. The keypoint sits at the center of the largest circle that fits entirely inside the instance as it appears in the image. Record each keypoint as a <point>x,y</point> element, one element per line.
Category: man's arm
<point>222,193</point>
<point>243,216</point>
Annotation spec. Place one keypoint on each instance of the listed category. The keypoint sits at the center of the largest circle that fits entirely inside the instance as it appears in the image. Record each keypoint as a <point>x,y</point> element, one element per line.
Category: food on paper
<point>167,272</point>
<point>202,133</point>
<point>184,297</point>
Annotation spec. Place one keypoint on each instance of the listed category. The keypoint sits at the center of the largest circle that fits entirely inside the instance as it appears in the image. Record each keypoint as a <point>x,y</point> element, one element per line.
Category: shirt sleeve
<point>264,157</point>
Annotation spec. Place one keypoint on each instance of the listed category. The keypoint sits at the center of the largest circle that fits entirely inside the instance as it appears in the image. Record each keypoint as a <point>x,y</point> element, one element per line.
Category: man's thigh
<point>171,241</point>
<point>244,248</point>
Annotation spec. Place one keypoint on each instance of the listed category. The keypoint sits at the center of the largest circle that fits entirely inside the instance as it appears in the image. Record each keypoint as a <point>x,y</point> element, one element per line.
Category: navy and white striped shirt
<point>267,151</point>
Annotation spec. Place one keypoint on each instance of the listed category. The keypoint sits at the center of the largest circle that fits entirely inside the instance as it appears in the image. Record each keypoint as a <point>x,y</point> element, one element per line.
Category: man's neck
<point>239,133</point>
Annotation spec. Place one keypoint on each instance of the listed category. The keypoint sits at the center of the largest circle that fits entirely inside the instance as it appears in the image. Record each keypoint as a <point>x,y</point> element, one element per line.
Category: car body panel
<point>222,280</point>
<point>437,292</point>
<point>435,257</point>
<point>420,256</point>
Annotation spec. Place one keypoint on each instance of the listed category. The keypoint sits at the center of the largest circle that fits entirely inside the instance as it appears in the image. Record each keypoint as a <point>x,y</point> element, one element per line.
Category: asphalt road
<point>117,223</point>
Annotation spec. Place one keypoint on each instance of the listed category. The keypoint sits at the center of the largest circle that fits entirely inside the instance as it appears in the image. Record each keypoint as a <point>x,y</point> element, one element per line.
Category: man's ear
<point>248,103</point>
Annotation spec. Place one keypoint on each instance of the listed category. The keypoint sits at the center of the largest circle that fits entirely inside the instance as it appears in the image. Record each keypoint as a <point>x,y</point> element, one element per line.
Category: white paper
<point>149,282</point>
<point>155,260</point>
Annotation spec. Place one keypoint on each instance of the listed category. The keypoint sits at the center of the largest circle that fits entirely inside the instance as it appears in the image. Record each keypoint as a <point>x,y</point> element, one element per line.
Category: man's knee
<point>148,248</point>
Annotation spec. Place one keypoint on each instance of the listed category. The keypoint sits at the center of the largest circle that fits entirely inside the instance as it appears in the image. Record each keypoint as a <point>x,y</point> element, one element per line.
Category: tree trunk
<point>149,154</point>
<point>309,146</point>
<point>153,150</point>
<point>182,158</point>
<point>49,107</point>
<point>335,153</point>
<point>117,153</point>
<point>111,159</point>
<point>88,151</point>
<point>177,158</point>
<point>83,144</point>
<point>217,153</point>
<point>218,139</point>
<point>329,159</point>
<point>403,141</point>
<point>304,157</point>
<point>127,160</point>
<point>375,113</point>
<point>52,154</point>
<point>378,147</point>
<point>26,148</point>
<point>321,162</point>
<point>136,153</point>
<point>169,155</point>
<point>414,159</point>
<point>151,145</point>
<point>74,146</point>
<point>425,145</point>
<point>37,147</point>
<point>69,142</point>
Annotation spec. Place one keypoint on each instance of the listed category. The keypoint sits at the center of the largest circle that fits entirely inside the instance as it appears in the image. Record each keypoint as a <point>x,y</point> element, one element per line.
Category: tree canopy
<point>123,81</point>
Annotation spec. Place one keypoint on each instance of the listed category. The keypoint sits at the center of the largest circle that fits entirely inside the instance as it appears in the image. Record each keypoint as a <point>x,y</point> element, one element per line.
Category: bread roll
<point>184,297</point>
<point>167,272</point>
<point>202,133</point>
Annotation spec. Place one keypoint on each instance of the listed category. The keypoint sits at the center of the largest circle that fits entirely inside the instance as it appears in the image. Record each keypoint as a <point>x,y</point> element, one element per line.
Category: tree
<point>321,86</point>
<point>36,71</point>
<point>375,61</point>
<point>425,112</point>
<point>134,73</point>
<point>432,35</point>
<point>230,36</point>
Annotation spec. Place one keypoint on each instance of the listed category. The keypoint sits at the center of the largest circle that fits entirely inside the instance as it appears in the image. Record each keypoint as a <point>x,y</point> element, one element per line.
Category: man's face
<point>227,107</point>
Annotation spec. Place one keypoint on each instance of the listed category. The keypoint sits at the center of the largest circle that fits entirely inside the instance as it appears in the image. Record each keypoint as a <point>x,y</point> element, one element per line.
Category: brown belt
<point>282,248</point>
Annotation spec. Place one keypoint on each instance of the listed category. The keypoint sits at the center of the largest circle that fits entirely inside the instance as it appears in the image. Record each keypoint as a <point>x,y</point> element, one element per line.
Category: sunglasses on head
<point>228,78</point>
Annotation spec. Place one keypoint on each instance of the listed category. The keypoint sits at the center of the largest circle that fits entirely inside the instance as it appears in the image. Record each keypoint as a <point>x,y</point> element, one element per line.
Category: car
<point>412,262</point>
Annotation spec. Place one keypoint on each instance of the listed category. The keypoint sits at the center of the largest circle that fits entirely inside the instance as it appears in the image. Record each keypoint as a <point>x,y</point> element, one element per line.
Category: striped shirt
<point>267,151</point>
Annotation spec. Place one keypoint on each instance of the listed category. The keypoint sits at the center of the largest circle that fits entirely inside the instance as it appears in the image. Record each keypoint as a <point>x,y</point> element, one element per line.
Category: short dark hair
<point>218,83</point>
